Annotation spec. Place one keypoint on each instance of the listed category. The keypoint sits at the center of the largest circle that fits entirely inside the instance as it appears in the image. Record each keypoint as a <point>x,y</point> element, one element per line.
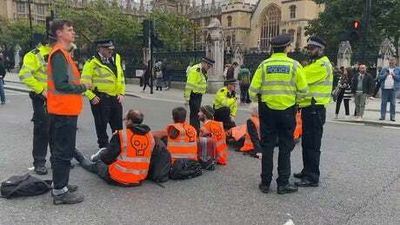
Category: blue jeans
<point>2,95</point>
<point>388,95</point>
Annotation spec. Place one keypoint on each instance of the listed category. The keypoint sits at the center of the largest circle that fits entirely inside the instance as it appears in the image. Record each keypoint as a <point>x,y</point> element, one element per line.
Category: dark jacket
<point>230,74</point>
<point>113,150</point>
<point>2,70</point>
<point>367,86</point>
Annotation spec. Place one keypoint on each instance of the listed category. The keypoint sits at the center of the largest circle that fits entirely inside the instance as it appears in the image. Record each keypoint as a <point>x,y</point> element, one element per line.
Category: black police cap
<point>282,40</point>
<point>105,43</point>
<point>316,41</point>
<point>208,61</point>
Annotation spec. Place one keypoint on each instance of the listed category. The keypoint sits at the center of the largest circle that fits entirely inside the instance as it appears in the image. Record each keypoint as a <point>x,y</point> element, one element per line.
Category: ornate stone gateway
<point>344,54</point>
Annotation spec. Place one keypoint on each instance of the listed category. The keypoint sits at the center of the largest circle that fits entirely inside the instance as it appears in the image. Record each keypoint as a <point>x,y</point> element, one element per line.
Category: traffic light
<point>356,25</point>
<point>355,32</point>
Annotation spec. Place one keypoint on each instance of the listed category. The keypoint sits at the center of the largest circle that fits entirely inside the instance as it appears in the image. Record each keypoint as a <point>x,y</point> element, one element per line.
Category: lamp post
<point>30,23</point>
<point>368,5</point>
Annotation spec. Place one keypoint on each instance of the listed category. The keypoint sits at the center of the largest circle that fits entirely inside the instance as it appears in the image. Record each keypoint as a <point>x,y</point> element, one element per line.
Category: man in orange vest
<point>182,137</point>
<point>252,145</point>
<point>126,160</point>
<point>64,104</point>
<point>215,130</point>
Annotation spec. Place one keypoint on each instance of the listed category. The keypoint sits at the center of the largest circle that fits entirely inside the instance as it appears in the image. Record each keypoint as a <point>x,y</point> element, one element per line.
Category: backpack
<point>185,169</point>
<point>207,153</point>
<point>25,185</point>
<point>160,163</point>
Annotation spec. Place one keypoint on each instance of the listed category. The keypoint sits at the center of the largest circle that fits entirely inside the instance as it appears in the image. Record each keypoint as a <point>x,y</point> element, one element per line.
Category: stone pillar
<point>215,51</point>
<point>344,54</point>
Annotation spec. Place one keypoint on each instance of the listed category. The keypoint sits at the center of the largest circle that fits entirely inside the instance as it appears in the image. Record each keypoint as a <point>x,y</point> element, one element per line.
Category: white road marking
<point>289,222</point>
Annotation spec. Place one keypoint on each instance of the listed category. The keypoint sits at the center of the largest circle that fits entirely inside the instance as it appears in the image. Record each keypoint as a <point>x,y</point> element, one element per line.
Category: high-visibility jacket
<point>196,82</point>
<point>248,144</point>
<point>102,78</point>
<point>279,80</point>
<point>60,103</point>
<point>216,129</point>
<point>319,76</point>
<point>33,72</point>
<point>221,99</point>
<point>185,145</point>
<point>298,131</point>
<point>132,164</point>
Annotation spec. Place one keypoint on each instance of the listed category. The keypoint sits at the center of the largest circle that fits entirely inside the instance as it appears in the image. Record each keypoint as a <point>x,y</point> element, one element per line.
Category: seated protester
<point>215,130</point>
<point>226,104</point>
<point>125,161</point>
<point>252,144</point>
<point>182,137</point>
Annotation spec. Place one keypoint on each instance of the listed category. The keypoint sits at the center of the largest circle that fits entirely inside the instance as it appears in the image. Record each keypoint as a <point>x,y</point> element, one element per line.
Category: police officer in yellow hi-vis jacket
<point>276,85</point>
<point>196,86</point>
<point>105,74</point>
<point>33,74</point>
<point>226,104</point>
<point>319,76</point>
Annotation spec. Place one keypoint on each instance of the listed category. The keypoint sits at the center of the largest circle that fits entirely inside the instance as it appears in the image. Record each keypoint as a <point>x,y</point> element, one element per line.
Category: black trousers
<point>345,102</point>
<point>224,115</point>
<point>244,93</point>
<point>276,124</point>
<point>40,129</point>
<point>313,122</point>
<point>195,104</point>
<point>107,111</point>
<point>62,146</point>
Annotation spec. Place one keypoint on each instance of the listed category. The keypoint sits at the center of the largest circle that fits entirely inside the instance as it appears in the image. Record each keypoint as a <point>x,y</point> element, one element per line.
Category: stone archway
<point>270,20</point>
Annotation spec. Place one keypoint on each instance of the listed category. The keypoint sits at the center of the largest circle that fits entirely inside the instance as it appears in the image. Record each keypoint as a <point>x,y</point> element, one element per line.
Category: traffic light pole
<point>365,31</point>
<point>30,24</point>
<point>151,57</point>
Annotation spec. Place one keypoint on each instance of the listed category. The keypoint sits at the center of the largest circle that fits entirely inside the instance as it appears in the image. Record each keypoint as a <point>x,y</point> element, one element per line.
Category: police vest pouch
<point>26,185</point>
<point>185,169</point>
<point>160,163</point>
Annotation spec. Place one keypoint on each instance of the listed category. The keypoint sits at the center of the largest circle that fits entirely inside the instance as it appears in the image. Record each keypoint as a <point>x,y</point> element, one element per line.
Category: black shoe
<point>40,170</point>
<point>381,118</point>
<point>289,188</point>
<point>306,183</point>
<point>68,198</point>
<point>263,188</point>
<point>393,120</point>
<point>298,175</point>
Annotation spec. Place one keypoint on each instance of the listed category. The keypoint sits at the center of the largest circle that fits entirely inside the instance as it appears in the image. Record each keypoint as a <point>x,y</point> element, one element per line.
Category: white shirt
<point>389,81</point>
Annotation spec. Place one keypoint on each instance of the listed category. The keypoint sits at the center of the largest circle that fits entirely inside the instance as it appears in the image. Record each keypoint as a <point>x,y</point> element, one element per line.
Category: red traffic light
<point>356,24</point>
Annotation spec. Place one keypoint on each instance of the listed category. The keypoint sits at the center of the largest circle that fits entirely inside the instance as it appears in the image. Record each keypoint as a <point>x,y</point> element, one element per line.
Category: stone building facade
<point>19,9</point>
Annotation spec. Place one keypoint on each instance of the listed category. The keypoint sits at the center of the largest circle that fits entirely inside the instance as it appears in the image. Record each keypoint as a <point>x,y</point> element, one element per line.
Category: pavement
<point>360,178</point>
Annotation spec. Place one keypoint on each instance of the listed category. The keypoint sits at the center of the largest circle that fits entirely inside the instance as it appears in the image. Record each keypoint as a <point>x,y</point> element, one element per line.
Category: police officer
<point>319,76</point>
<point>34,75</point>
<point>226,104</point>
<point>104,72</point>
<point>196,86</point>
<point>276,83</point>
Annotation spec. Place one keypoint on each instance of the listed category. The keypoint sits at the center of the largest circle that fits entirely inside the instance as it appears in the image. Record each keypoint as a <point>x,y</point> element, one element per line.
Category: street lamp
<point>30,23</point>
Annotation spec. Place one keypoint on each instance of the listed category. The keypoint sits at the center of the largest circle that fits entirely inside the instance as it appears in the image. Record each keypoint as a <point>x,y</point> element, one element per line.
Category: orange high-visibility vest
<point>248,144</point>
<point>185,145</point>
<point>238,132</point>
<point>298,131</point>
<point>133,162</point>
<point>216,129</point>
<point>59,103</point>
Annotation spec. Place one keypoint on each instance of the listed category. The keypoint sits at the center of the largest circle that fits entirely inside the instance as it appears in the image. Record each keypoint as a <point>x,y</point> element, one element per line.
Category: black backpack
<point>25,185</point>
<point>160,163</point>
<point>185,169</point>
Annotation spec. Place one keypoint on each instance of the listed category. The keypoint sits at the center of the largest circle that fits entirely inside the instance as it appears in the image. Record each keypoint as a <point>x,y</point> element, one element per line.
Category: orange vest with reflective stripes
<point>248,144</point>
<point>298,131</point>
<point>185,145</point>
<point>133,162</point>
<point>216,129</point>
<point>59,103</point>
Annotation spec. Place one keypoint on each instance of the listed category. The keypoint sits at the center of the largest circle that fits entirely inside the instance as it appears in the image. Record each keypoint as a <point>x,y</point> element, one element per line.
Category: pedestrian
<point>165,69</point>
<point>196,86</point>
<point>226,67</point>
<point>125,162</point>
<point>345,93</point>
<point>251,145</point>
<point>226,104</point>
<point>146,76</point>
<point>362,85</point>
<point>158,75</point>
<point>105,74</point>
<point>64,104</point>
<point>2,75</point>
<point>230,73</point>
<point>276,84</point>
<point>244,78</point>
<point>34,75</point>
<point>319,76</point>
<point>390,79</point>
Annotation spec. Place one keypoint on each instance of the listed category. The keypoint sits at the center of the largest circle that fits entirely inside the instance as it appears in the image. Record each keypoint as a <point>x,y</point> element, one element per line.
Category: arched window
<point>228,41</point>
<point>270,21</point>
<point>229,19</point>
<point>292,9</point>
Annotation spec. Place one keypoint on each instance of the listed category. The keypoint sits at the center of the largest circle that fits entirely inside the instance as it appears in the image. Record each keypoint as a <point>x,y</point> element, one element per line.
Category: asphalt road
<point>360,182</point>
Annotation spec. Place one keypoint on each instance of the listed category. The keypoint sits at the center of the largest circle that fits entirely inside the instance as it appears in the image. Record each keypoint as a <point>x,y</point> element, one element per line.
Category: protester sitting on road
<point>226,104</point>
<point>215,130</point>
<point>125,161</point>
<point>182,137</point>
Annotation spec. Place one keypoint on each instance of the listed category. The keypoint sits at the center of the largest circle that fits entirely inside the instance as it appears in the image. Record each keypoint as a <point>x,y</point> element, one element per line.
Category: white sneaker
<point>96,156</point>
<point>336,116</point>
<point>347,117</point>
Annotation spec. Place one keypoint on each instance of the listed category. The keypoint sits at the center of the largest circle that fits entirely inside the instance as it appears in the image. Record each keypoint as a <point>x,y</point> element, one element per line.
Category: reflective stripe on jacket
<point>216,129</point>
<point>60,103</point>
<point>185,145</point>
<point>132,164</point>
<point>102,78</point>
<point>279,81</point>
<point>222,100</point>
<point>196,82</point>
